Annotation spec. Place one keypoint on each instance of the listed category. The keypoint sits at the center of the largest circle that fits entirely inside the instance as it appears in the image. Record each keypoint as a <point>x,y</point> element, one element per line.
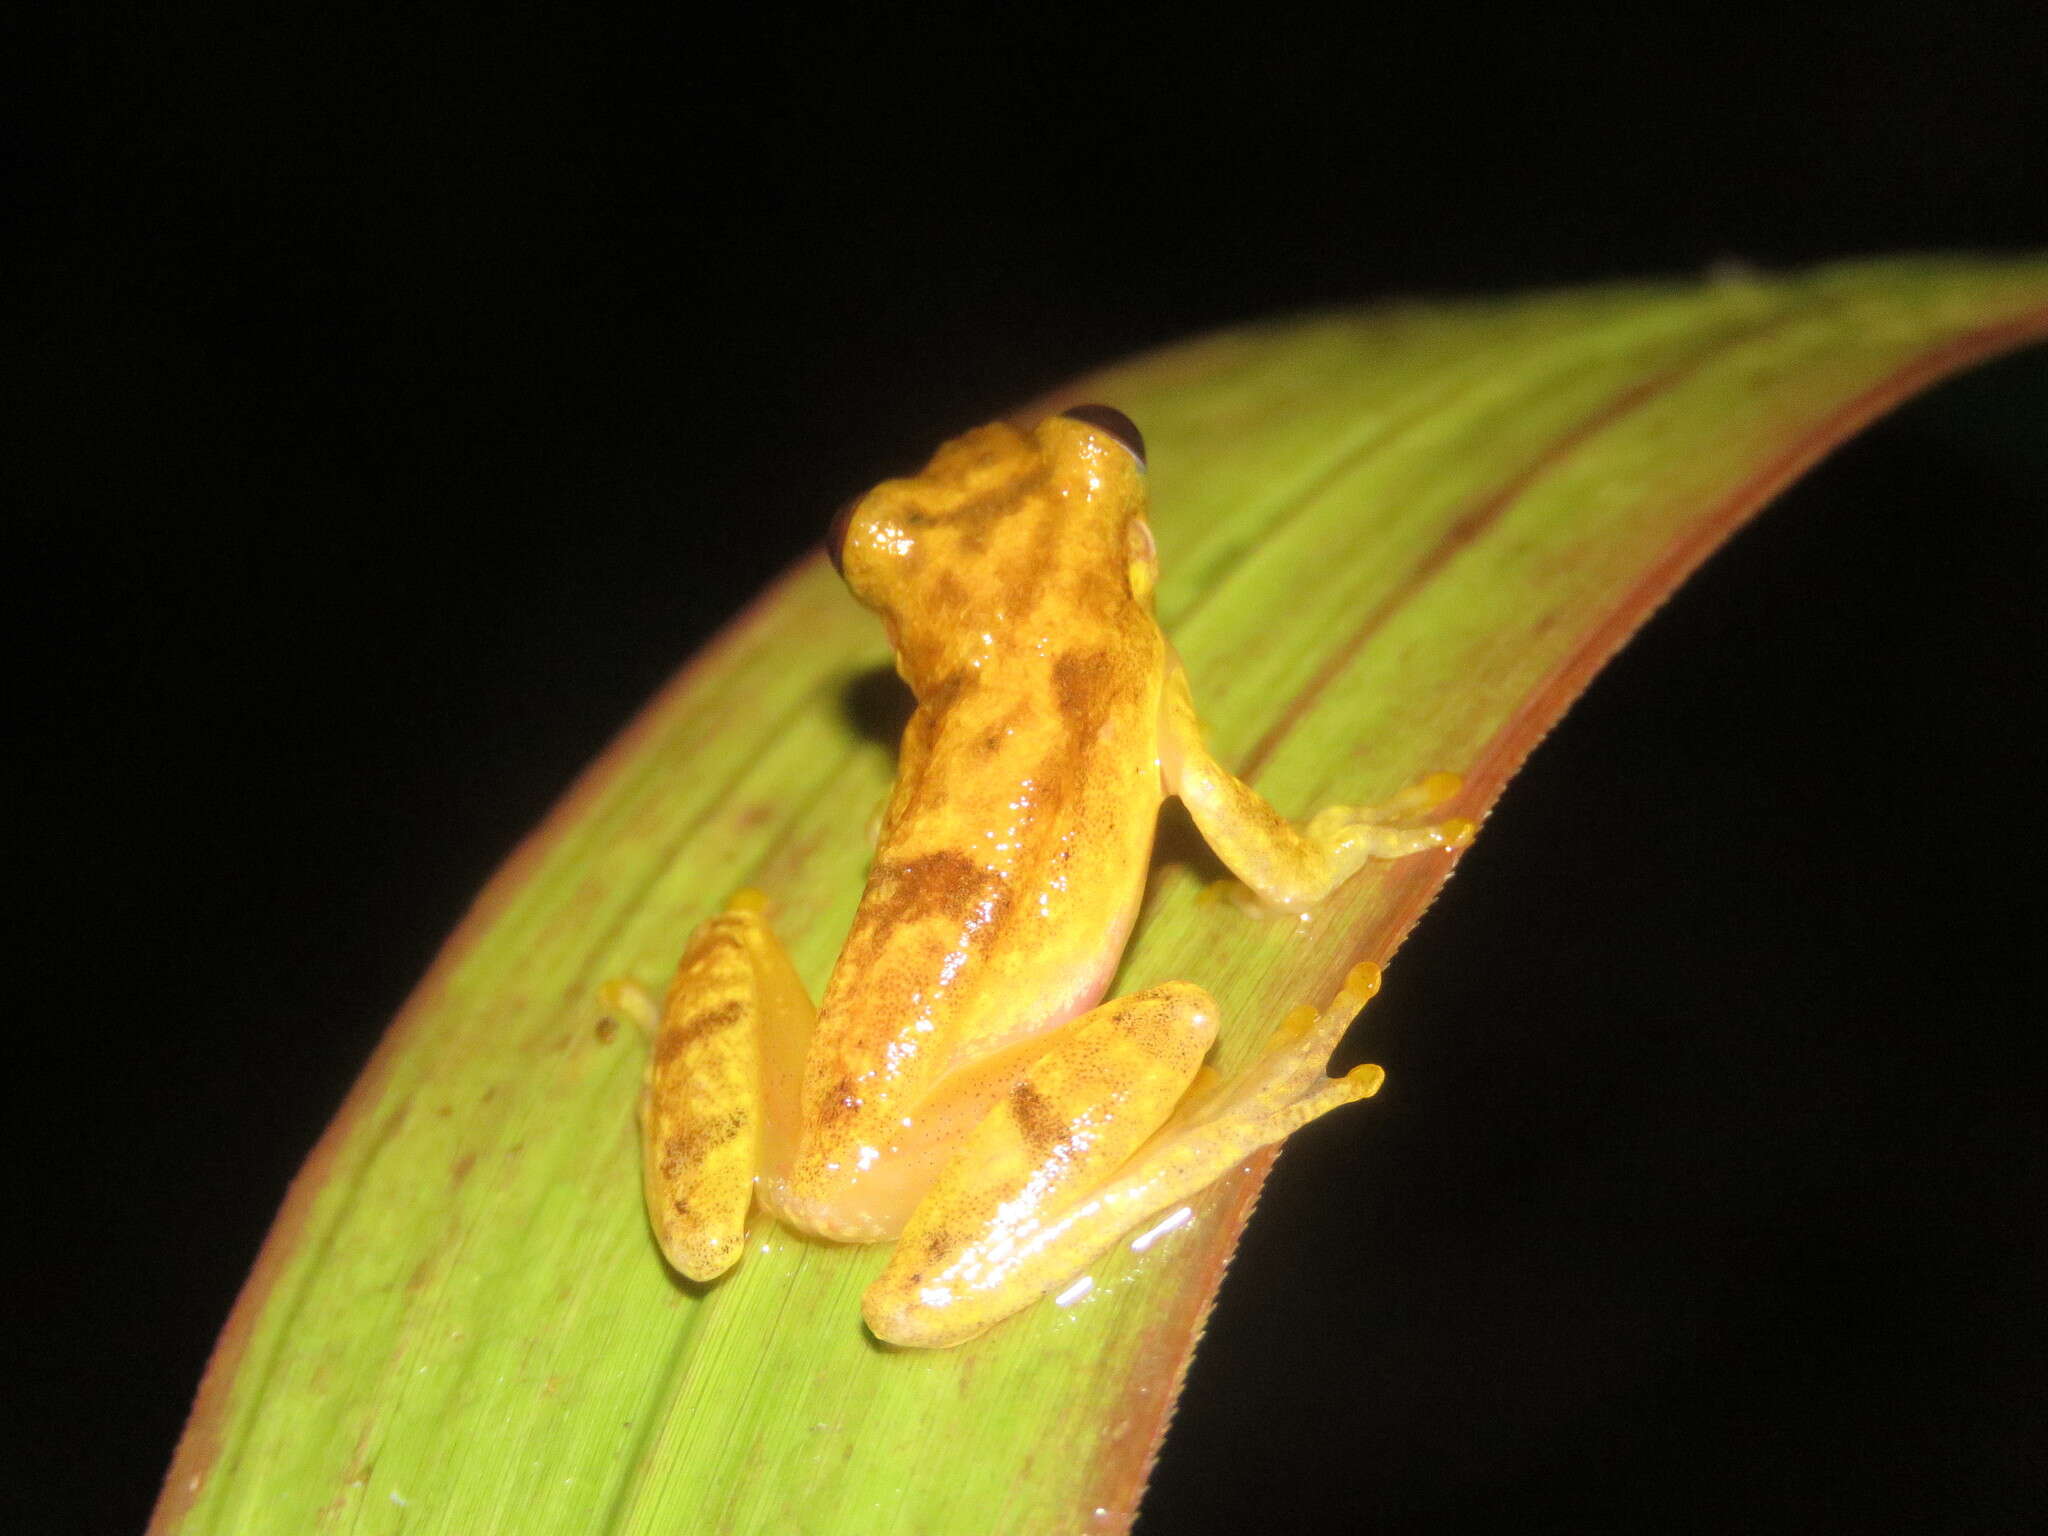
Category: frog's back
<point>1013,853</point>
<point>1011,860</point>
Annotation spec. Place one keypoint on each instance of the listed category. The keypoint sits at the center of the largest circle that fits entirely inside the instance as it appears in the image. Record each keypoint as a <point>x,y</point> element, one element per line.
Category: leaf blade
<point>462,1261</point>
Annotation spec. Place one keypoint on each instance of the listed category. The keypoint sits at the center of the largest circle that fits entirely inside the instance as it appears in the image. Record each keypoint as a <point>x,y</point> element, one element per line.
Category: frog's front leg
<point>1115,1121</point>
<point>1287,865</point>
<point>721,1085</point>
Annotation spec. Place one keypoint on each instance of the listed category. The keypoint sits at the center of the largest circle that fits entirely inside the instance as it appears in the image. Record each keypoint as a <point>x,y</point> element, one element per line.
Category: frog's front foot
<point>1348,835</point>
<point>623,997</point>
<point>1116,1122</point>
<point>1276,879</point>
<point>1290,866</point>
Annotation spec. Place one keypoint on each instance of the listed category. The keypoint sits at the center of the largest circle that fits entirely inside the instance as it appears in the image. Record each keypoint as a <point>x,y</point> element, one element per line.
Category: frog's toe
<point>899,1316</point>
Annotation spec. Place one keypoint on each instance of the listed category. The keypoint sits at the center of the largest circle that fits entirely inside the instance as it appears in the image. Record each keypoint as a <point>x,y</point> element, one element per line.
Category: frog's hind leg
<point>975,1247</point>
<point>1287,865</point>
<point>1115,1122</point>
<point>721,1084</point>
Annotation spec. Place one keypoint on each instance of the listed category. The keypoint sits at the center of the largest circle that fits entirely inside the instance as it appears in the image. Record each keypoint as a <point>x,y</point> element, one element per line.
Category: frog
<point>962,1089</point>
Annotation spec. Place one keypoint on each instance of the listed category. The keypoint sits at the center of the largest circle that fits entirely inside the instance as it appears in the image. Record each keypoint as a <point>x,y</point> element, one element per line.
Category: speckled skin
<point>1012,855</point>
<point>954,1085</point>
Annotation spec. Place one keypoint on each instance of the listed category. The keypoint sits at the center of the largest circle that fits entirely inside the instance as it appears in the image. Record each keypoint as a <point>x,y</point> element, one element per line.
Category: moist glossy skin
<point>958,1085</point>
<point>1014,580</point>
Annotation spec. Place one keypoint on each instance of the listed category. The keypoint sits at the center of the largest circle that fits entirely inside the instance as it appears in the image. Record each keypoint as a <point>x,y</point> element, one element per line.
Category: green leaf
<point>1393,540</point>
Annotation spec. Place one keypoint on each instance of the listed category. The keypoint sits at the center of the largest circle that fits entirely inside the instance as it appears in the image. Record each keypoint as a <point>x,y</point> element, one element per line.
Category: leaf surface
<point>1391,540</point>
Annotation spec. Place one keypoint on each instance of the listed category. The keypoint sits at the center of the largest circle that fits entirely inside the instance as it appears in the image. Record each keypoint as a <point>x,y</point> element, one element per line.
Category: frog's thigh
<point>1289,865</point>
<point>986,1242</point>
<point>733,1029</point>
<point>972,1252</point>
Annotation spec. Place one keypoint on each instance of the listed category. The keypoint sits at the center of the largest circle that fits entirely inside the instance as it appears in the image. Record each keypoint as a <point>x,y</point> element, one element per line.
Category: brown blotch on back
<point>839,1103</point>
<point>945,883</point>
<point>1086,685</point>
<point>1081,682</point>
<point>943,694</point>
<point>948,592</point>
<point>1037,1118</point>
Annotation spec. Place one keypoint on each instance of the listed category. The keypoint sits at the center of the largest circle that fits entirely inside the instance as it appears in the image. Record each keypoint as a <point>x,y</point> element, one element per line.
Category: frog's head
<point>1005,531</point>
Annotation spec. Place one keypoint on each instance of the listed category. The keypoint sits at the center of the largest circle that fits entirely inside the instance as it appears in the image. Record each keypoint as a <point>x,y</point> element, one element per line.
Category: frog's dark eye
<point>1107,418</point>
<point>835,536</point>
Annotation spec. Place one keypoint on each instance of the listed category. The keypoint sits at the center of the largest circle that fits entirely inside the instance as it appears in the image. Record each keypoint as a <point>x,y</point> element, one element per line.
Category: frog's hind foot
<point>623,997</point>
<point>998,1230</point>
<point>1417,799</point>
<point>1349,835</point>
<point>1287,1084</point>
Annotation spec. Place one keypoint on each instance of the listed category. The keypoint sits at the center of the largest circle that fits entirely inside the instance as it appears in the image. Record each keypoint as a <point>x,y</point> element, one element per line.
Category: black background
<point>415,396</point>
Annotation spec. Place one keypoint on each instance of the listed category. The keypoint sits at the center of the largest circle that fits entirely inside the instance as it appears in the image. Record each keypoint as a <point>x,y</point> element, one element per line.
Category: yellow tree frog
<point>962,1089</point>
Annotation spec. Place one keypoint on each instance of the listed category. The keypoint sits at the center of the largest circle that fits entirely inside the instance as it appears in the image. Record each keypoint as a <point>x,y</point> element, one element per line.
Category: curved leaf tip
<point>1459,512</point>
